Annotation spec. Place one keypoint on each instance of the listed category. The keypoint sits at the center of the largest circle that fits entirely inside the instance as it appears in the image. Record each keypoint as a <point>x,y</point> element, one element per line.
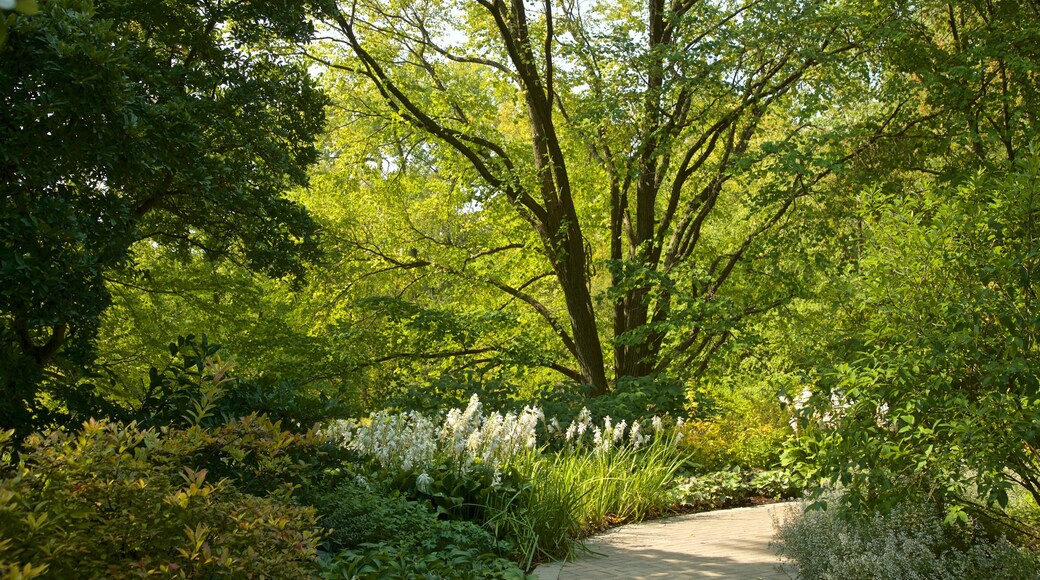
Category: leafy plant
<point>910,542</point>
<point>734,487</point>
<point>382,561</point>
<point>121,501</point>
<point>354,514</point>
<point>487,467</point>
<point>936,383</point>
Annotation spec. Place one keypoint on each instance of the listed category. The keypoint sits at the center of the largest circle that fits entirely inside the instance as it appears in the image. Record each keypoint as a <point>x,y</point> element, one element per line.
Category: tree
<point>174,124</point>
<point>664,140</point>
<point>932,383</point>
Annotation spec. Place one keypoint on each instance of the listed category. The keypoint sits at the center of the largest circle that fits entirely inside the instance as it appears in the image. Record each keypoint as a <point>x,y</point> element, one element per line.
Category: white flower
<point>423,482</point>
<point>619,431</point>
<point>583,421</point>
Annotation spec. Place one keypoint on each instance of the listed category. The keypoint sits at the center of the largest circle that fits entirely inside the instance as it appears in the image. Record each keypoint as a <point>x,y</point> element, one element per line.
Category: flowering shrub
<point>911,542</point>
<point>489,468</point>
<point>470,442</point>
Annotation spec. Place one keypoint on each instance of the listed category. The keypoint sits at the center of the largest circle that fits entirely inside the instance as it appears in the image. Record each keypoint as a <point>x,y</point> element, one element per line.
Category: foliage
<point>487,467</point>
<point>619,484</point>
<point>911,542</point>
<point>733,442</point>
<point>935,382</point>
<point>382,561</point>
<point>604,175</point>
<point>734,487</point>
<point>354,514</point>
<point>19,6</point>
<point>121,501</point>
<point>738,426</point>
<point>139,122</point>
<point>635,398</point>
<point>174,387</point>
<point>373,534</point>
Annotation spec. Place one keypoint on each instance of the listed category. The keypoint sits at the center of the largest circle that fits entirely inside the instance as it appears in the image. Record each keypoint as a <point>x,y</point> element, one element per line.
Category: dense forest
<point>801,235</point>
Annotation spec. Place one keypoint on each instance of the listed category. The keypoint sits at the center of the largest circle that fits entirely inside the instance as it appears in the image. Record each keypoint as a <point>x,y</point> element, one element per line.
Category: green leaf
<point>27,6</point>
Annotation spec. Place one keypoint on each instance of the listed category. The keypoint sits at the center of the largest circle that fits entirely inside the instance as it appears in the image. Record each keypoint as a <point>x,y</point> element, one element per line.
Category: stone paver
<point>721,544</point>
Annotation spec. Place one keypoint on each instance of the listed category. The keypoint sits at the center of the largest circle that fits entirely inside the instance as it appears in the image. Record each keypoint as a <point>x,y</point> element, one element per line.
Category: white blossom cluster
<point>470,440</point>
<point>397,441</point>
<point>467,440</point>
<point>583,431</point>
<point>839,404</point>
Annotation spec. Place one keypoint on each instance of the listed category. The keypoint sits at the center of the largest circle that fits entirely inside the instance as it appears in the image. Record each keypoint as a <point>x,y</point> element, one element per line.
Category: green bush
<point>354,514</point>
<point>734,487</point>
<point>119,501</point>
<point>382,561</point>
<point>740,425</point>
<point>932,379</point>
<point>911,542</point>
<point>385,535</point>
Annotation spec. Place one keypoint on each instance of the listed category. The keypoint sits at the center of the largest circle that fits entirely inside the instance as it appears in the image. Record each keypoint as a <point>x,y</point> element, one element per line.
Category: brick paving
<point>721,544</point>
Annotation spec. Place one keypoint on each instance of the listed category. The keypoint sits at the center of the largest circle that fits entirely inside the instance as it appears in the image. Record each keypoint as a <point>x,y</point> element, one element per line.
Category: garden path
<point>730,543</point>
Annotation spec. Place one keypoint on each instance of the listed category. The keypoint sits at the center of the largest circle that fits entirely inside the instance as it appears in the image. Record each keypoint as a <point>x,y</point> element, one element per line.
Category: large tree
<point>662,139</point>
<point>175,124</point>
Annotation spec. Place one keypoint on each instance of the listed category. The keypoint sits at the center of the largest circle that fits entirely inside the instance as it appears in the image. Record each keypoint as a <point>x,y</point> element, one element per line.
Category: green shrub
<point>119,501</point>
<point>740,426</point>
<point>385,535</point>
<point>354,514</point>
<point>177,383</point>
<point>911,542</point>
<point>382,561</point>
<point>931,378</point>
<point>734,487</point>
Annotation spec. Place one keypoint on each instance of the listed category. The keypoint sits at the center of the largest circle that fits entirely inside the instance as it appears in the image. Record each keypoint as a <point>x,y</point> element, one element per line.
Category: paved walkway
<point>722,544</point>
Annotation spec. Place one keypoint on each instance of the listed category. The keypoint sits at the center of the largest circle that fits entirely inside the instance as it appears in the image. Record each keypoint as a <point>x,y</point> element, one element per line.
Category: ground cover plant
<point>911,541</point>
<point>731,488</point>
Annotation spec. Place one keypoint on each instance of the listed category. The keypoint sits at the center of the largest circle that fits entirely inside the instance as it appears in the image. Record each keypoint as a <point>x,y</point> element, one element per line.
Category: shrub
<point>382,561</point>
<point>118,501</point>
<point>734,487</point>
<point>355,514</point>
<point>742,425</point>
<point>911,542</point>
<point>380,535</point>
<point>487,467</point>
<point>180,381</point>
<point>932,378</point>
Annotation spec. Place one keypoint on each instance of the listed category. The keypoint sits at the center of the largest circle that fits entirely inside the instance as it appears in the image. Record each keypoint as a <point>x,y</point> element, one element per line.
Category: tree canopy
<point>179,125</point>
<point>648,153</point>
